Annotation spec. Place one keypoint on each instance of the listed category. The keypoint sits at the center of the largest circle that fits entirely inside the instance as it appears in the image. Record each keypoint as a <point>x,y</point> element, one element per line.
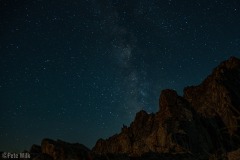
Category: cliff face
<point>204,122</point>
<point>176,128</point>
<point>219,95</point>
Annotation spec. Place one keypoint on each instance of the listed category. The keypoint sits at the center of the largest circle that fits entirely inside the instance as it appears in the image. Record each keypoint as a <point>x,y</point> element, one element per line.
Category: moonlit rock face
<point>187,124</point>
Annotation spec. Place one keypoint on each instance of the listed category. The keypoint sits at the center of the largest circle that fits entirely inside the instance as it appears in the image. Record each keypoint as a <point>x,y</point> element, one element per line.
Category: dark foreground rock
<point>59,150</point>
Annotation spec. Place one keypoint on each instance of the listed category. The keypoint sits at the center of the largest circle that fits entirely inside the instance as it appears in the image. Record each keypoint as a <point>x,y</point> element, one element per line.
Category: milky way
<point>79,70</point>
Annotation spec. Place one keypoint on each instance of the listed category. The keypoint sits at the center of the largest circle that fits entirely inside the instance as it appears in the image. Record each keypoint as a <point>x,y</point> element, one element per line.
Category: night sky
<point>79,70</point>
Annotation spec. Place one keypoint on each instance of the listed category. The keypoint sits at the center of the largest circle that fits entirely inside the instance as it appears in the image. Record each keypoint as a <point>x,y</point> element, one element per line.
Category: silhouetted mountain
<point>203,124</point>
<point>59,150</point>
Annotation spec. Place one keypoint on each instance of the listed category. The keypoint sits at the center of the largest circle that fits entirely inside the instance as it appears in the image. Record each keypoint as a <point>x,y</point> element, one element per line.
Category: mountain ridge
<point>201,124</point>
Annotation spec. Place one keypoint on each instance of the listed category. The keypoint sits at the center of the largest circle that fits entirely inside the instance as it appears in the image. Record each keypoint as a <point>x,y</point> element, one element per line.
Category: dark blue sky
<point>79,70</point>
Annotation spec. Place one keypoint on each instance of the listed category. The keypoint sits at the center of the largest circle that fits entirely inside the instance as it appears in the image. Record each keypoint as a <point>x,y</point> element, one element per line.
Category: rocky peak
<point>172,105</point>
<point>230,64</point>
<point>219,94</point>
<point>159,133</point>
<point>202,122</point>
<point>168,98</point>
<point>59,150</point>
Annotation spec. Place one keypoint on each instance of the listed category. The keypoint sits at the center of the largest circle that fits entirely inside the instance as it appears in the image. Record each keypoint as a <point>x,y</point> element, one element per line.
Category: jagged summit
<point>219,94</point>
<point>203,124</point>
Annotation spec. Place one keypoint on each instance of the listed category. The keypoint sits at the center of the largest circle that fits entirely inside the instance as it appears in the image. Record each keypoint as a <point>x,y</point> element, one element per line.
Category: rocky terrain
<point>203,124</point>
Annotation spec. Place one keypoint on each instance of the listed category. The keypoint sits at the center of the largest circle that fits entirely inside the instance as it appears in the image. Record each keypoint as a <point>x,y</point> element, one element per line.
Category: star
<point>95,64</point>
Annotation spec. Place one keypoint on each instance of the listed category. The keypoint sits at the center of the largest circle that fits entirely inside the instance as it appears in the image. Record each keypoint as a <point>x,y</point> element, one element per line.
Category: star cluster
<point>79,70</point>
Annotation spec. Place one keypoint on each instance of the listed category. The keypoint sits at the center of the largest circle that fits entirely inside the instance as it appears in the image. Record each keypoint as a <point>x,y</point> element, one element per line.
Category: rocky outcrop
<point>175,129</point>
<point>59,150</point>
<point>218,97</point>
<point>203,123</point>
<point>219,94</point>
